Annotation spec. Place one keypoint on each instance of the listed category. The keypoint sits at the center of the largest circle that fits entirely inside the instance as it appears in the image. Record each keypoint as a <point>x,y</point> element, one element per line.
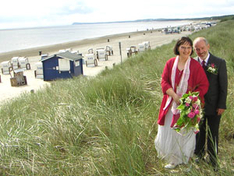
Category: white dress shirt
<point>206,60</point>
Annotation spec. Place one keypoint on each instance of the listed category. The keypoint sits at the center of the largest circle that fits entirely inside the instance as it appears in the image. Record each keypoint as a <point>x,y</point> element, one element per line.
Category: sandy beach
<point>155,37</point>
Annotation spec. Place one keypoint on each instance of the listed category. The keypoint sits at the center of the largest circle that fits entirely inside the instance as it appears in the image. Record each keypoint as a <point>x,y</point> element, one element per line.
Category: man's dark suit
<point>215,99</point>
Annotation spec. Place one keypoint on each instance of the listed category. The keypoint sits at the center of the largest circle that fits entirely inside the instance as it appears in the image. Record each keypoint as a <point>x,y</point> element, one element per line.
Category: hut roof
<point>66,55</point>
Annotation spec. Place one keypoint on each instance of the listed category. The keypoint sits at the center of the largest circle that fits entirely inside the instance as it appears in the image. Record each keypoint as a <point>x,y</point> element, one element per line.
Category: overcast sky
<point>33,13</point>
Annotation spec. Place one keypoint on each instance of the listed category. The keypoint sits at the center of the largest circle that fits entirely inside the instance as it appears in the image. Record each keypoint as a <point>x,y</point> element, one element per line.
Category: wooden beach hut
<point>62,65</point>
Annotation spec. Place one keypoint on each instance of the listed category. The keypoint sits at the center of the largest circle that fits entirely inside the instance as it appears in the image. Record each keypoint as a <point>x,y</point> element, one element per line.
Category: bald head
<point>199,39</point>
<point>201,47</point>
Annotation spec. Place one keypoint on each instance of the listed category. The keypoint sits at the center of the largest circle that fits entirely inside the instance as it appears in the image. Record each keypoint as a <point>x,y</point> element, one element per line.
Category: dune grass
<point>106,125</point>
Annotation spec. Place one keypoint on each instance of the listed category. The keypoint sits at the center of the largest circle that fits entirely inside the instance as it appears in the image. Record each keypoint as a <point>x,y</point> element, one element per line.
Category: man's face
<point>201,49</point>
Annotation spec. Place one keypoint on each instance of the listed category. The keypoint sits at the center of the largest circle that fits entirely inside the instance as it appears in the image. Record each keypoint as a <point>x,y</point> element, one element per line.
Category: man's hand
<point>220,111</point>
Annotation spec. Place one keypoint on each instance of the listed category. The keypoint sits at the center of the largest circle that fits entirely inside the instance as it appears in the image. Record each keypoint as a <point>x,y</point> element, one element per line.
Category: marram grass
<point>105,125</point>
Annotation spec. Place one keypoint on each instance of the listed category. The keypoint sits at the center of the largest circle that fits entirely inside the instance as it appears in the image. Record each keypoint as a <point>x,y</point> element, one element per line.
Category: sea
<point>26,38</point>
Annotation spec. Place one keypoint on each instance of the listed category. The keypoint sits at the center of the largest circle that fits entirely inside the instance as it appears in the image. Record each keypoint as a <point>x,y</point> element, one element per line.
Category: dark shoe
<point>215,166</point>
<point>199,159</point>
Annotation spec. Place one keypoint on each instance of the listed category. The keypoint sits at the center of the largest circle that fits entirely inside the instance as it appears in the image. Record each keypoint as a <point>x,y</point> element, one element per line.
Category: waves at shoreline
<point>30,38</point>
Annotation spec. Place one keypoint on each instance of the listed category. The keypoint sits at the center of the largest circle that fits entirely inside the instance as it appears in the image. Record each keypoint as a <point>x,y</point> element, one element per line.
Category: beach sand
<point>155,37</point>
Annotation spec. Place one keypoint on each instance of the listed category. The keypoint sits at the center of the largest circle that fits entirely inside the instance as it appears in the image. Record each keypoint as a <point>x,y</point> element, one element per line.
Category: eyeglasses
<point>184,48</point>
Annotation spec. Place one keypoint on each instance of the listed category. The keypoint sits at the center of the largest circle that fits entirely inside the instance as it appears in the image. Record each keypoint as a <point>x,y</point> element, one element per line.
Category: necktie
<point>203,64</point>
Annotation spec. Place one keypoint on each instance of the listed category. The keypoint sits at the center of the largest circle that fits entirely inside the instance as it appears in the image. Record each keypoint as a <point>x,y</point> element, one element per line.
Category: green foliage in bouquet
<point>190,112</point>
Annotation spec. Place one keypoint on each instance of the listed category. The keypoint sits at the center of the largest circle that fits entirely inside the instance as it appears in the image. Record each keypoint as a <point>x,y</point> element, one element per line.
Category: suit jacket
<point>217,93</point>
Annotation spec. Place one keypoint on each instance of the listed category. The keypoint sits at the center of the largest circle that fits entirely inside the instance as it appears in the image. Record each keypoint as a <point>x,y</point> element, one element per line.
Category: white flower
<point>198,102</point>
<point>188,100</point>
<point>212,69</point>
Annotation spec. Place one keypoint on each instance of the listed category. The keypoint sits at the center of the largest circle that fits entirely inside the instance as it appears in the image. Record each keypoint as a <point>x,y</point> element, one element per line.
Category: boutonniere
<point>212,69</point>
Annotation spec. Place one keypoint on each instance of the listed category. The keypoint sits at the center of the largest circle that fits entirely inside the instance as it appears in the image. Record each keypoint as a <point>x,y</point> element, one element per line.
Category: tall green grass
<point>105,125</point>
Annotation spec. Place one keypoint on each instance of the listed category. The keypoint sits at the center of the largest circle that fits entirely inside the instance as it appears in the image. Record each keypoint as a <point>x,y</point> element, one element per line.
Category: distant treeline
<point>221,18</point>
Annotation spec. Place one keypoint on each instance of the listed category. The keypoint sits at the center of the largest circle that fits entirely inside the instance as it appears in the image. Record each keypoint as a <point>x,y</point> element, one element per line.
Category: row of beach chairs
<point>144,46</point>
<point>100,54</point>
<point>15,63</point>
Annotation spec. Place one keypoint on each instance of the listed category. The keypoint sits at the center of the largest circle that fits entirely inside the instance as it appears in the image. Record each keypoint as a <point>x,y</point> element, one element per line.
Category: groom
<point>215,100</point>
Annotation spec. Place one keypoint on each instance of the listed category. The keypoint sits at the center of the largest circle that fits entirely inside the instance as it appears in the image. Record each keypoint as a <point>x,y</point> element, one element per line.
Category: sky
<point>38,13</point>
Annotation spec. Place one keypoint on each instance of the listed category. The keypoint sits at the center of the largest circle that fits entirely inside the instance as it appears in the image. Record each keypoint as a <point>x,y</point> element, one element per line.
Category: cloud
<point>27,13</point>
<point>76,8</point>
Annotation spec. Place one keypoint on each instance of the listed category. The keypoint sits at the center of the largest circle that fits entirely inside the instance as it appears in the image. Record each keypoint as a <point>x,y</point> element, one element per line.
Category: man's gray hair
<point>199,39</point>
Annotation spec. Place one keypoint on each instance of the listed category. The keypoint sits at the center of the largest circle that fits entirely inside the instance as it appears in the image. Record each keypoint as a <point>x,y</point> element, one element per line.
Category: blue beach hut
<point>62,65</point>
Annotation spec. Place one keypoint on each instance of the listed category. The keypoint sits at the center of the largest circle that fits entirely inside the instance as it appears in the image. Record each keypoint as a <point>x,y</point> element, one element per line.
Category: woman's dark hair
<point>182,41</point>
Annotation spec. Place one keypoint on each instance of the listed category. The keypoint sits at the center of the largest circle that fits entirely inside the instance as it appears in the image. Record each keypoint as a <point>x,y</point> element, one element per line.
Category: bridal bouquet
<point>190,112</point>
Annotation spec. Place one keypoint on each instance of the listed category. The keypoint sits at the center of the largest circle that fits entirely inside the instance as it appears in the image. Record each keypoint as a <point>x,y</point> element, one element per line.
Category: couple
<point>182,74</point>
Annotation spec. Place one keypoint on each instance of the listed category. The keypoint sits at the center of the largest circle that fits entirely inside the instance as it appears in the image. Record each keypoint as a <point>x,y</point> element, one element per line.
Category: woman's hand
<point>176,98</point>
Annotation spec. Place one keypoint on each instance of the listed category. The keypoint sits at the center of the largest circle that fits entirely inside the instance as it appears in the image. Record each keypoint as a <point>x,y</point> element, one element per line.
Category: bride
<point>181,74</point>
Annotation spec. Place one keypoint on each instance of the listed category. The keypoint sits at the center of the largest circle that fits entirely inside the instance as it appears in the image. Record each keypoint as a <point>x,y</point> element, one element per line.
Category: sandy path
<point>7,92</point>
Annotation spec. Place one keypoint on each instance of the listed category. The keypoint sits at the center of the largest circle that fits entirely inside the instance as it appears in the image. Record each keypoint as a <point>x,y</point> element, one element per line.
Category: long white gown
<point>174,147</point>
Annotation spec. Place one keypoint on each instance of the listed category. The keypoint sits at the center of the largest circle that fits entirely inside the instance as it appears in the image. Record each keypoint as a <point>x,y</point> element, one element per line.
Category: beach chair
<point>15,62</point>
<point>75,52</point>
<point>101,54</point>
<point>65,50</point>
<point>141,47</point>
<point>109,50</point>
<point>69,49</point>
<point>100,49</point>
<point>18,79</point>
<point>6,67</point>
<point>39,70</point>
<point>24,63</point>
<point>44,56</point>
<point>129,52</point>
<point>90,51</point>
<point>147,45</point>
<point>133,49</point>
<point>91,59</point>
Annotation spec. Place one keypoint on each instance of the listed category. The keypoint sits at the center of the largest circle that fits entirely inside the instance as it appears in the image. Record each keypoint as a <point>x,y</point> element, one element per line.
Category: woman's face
<point>185,50</point>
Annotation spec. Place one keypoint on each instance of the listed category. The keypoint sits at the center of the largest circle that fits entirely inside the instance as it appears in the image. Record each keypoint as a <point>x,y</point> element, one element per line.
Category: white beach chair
<point>101,54</point>
<point>39,70</point>
<point>43,56</point>
<point>109,50</point>
<point>129,52</point>
<point>62,51</point>
<point>91,59</point>
<point>6,67</point>
<point>132,50</point>
<point>147,45</point>
<point>141,47</point>
<point>90,51</point>
<point>15,62</point>
<point>75,52</point>
<point>68,49</point>
<point>24,63</point>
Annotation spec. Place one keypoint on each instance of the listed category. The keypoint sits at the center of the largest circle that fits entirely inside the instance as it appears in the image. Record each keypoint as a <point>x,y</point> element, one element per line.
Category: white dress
<point>174,147</point>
